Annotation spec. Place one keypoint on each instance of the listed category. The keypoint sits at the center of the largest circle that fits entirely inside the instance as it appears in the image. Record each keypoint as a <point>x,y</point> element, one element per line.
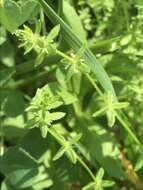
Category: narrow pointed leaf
<point>54,32</point>
<point>107,183</point>
<point>90,186</point>
<point>59,154</point>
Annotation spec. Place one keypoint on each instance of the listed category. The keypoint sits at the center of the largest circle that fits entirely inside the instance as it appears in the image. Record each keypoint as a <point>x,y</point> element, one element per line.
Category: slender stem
<point>2,141</point>
<point>58,139</point>
<point>124,124</point>
<point>28,80</point>
<point>86,167</point>
<point>64,56</point>
<point>43,22</point>
<point>94,84</point>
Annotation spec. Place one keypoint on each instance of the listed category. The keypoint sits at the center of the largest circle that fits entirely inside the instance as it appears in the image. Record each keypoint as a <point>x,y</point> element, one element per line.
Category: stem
<point>27,81</point>
<point>43,22</point>
<point>94,84</point>
<point>2,142</point>
<point>78,158</point>
<point>86,167</point>
<point>64,56</point>
<point>58,139</point>
<point>124,124</point>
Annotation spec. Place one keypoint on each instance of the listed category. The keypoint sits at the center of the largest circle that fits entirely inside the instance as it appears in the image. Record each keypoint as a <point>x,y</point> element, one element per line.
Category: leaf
<point>22,171</point>
<point>100,174</point>
<point>19,167</point>
<point>44,131</point>
<point>59,154</point>
<point>21,9</point>
<point>39,59</point>
<point>54,33</point>
<point>6,186</point>
<point>14,159</point>
<point>90,186</point>
<point>107,183</point>
<point>55,104</point>
<point>69,12</point>
<point>2,35</point>
<point>75,43</point>
<point>36,148</point>
<point>139,163</point>
<point>71,155</point>
<point>97,145</point>
<point>99,112</point>
<point>67,97</point>
<point>55,116</point>
<point>75,138</point>
<point>12,102</point>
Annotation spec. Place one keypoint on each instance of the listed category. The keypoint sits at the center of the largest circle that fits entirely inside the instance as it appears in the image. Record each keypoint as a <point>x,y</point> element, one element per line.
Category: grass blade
<point>75,43</point>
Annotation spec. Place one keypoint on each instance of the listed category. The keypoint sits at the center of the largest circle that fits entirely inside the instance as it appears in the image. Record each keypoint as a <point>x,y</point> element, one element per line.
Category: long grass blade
<point>75,43</point>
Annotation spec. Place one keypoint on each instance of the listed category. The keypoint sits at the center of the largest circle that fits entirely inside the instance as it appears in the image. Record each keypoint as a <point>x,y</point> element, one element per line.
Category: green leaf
<point>11,102</point>
<point>59,154</point>
<point>54,33</point>
<point>69,12</point>
<point>71,155</point>
<point>75,138</point>
<point>99,112</point>
<point>44,131</point>
<point>36,148</point>
<point>55,116</point>
<point>14,159</point>
<point>90,186</point>
<point>67,97</point>
<point>6,186</point>
<point>139,163</point>
<point>107,183</point>
<point>98,146</point>
<point>13,14</point>
<point>19,167</point>
<point>100,174</point>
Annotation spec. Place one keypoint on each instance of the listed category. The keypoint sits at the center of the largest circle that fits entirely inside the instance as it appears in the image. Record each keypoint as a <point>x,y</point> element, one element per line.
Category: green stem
<point>27,81</point>
<point>94,84</point>
<point>2,142</point>
<point>43,22</point>
<point>86,167</point>
<point>124,124</point>
<point>58,139</point>
<point>64,56</point>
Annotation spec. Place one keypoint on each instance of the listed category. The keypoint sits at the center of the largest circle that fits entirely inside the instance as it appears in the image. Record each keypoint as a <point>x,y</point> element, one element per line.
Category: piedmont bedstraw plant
<point>43,103</point>
<point>62,140</point>
<point>41,116</point>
